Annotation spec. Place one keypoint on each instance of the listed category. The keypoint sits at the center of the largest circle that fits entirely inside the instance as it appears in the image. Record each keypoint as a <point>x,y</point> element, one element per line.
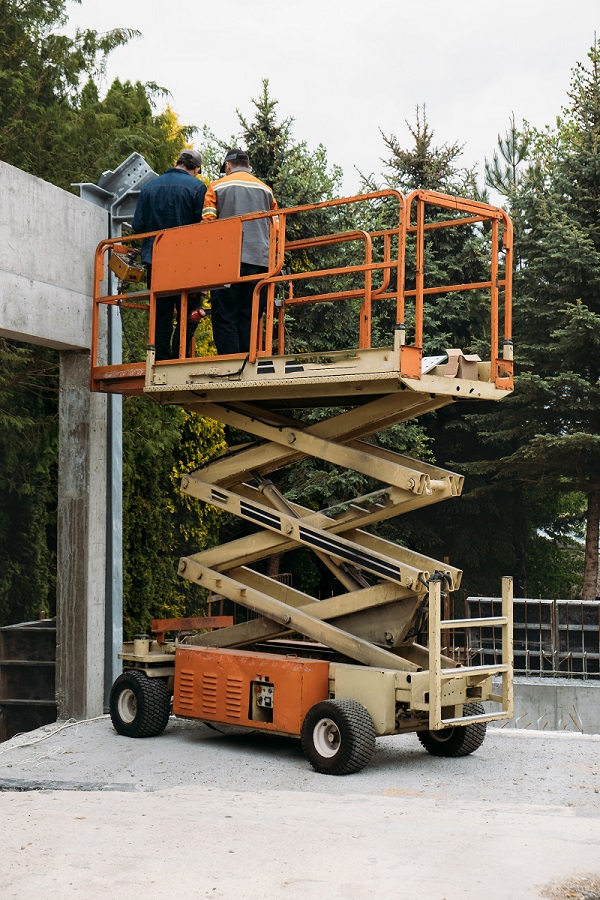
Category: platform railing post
<point>507,646</point>
<point>435,654</point>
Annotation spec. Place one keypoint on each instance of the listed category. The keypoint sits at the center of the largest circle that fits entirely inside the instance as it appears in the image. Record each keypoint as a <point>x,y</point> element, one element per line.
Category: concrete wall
<point>556,704</point>
<point>47,242</point>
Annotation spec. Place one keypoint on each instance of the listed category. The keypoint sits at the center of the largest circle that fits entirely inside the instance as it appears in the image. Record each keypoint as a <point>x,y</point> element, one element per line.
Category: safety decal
<point>350,554</point>
<point>257,514</point>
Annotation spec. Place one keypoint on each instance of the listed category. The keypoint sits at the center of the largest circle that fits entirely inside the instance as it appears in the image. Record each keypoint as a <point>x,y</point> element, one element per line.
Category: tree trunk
<point>273,565</point>
<point>590,568</point>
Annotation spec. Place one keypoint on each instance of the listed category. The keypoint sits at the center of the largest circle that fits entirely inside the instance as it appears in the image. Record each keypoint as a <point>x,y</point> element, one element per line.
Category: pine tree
<point>503,173</point>
<point>459,319</point>
<point>54,125</point>
<point>28,481</point>
<point>551,430</point>
<point>41,76</point>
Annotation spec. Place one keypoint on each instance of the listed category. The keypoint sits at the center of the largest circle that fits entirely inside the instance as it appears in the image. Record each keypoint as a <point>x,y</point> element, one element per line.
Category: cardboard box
<point>461,365</point>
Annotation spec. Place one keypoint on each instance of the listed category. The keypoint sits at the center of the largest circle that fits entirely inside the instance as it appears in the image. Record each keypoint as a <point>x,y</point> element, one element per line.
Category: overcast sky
<point>345,70</point>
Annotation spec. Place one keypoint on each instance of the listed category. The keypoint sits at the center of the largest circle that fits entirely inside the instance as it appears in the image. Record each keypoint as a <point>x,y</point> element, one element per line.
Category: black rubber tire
<point>459,740</point>
<point>338,737</point>
<point>139,706</point>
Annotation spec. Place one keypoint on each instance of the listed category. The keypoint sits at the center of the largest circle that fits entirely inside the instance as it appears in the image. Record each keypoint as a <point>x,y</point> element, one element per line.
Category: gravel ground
<point>203,814</point>
<point>512,765</point>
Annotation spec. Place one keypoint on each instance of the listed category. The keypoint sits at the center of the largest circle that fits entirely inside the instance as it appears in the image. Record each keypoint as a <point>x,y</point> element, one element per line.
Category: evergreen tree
<point>557,309</point>
<point>503,173</point>
<point>41,74</point>
<point>53,124</point>
<point>458,319</point>
<point>424,166</point>
<point>542,443</point>
<point>98,134</point>
<point>28,481</point>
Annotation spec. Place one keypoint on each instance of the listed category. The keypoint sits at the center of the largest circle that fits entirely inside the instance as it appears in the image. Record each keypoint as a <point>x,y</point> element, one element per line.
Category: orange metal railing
<point>502,368</point>
<point>384,257</point>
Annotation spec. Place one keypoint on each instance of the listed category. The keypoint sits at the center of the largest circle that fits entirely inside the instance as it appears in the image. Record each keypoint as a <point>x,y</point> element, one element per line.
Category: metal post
<point>507,646</point>
<point>114,500</point>
<point>117,192</point>
<point>435,653</point>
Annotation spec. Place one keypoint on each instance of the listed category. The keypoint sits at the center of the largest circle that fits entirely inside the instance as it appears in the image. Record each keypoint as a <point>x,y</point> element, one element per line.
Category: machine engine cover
<point>258,690</point>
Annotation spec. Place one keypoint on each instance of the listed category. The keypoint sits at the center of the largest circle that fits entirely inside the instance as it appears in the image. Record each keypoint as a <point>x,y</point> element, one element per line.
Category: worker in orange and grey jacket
<point>238,193</point>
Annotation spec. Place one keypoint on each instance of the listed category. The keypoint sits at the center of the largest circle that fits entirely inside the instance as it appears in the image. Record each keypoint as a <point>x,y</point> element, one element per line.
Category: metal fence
<point>557,638</point>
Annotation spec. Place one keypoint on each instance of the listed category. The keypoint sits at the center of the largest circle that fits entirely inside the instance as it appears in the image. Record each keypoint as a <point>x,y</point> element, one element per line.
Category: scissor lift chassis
<point>275,690</point>
<point>341,671</point>
<point>359,655</point>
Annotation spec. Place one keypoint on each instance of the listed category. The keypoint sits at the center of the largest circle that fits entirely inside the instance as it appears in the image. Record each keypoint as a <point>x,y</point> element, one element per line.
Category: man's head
<point>235,159</point>
<point>189,160</point>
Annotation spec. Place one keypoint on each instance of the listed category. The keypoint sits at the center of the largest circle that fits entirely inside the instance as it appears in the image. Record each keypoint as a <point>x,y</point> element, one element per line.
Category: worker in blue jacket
<point>169,201</point>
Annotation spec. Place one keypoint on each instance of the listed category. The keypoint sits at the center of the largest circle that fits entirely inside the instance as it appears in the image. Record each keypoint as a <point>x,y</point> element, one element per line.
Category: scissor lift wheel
<point>139,706</point>
<point>338,737</point>
<point>459,740</point>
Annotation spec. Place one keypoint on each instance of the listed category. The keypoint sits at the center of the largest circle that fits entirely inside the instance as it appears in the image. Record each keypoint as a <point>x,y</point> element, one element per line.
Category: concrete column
<point>82,485</point>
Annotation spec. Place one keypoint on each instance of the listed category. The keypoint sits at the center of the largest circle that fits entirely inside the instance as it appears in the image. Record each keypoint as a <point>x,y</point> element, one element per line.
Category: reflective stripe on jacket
<point>235,195</point>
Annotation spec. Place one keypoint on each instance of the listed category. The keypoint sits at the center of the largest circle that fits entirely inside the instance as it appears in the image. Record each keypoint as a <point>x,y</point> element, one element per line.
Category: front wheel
<point>460,740</point>
<point>139,706</point>
<point>338,737</point>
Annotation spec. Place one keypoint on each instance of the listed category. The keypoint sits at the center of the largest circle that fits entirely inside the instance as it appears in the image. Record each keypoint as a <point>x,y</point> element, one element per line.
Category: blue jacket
<point>175,198</point>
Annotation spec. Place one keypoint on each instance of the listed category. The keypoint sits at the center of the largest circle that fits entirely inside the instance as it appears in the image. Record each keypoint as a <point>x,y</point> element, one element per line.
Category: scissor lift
<point>340,671</point>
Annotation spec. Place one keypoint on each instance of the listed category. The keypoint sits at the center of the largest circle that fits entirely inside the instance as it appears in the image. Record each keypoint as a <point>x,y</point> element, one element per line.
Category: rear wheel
<point>338,737</point>
<point>459,740</point>
<point>139,706</point>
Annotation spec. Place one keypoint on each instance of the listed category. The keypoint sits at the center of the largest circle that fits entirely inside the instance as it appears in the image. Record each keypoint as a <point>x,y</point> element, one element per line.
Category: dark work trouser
<point>232,312</point>
<point>166,340</point>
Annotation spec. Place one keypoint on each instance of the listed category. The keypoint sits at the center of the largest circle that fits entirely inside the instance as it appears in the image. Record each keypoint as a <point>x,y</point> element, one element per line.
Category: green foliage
<point>161,524</point>
<point>459,319</point>
<point>537,453</point>
<point>557,306</point>
<point>54,125</point>
<point>424,166</point>
<point>52,121</point>
<point>503,173</point>
<point>451,255</point>
<point>28,481</point>
<point>100,134</point>
<point>41,73</point>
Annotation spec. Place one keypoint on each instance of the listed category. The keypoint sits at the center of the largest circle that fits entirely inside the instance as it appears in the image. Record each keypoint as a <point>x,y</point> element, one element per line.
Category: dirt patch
<point>583,887</point>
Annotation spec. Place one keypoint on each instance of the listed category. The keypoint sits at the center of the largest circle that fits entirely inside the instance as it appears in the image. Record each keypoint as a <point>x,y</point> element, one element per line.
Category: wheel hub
<point>127,706</point>
<point>327,738</point>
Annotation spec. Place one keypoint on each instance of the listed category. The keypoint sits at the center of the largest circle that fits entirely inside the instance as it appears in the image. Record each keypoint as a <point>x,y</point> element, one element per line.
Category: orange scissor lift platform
<point>336,672</point>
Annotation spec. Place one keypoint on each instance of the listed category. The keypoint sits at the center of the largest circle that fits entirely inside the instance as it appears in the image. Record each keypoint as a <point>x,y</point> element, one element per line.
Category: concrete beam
<point>47,242</point>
